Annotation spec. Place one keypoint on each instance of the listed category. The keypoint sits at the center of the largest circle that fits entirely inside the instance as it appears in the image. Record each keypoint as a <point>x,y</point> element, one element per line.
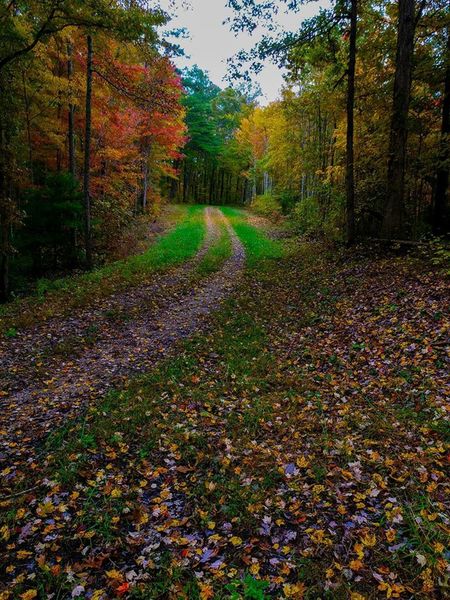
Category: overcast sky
<point>211,42</point>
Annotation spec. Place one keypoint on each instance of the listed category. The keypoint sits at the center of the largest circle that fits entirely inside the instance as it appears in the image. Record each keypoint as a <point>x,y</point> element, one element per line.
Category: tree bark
<point>185,181</point>
<point>393,222</point>
<point>350,171</point>
<point>87,157</point>
<point>71,116</point>
<point>5,206</point>
<point>440,205</point>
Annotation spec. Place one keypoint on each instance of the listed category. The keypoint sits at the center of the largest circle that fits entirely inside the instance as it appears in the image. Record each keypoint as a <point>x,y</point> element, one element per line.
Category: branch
<point>420,11</point>
<point>7,9</point>
<point>42,31</point>
<point>341,79</point>
<point>129,94</point>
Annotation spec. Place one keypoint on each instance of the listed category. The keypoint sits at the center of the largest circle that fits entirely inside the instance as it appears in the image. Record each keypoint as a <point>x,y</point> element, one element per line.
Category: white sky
<point>211,42</point>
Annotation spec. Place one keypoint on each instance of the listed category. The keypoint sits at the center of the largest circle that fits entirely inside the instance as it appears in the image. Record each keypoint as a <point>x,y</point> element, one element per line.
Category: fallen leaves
<point>251,468</point>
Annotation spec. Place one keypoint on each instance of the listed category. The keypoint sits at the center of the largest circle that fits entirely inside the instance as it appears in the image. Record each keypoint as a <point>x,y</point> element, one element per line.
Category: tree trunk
<point>145,175</point>
<point>185,181</point>
<point>350,171</point>
<point>5,206</point>
<point>87,157</point>
<point>393,222</point>
<point>222,180</point>
<point>212,186</point>
<point>440,205</point>
<point>145,187</point>
<point>71,119</point>
<point>28,121</point>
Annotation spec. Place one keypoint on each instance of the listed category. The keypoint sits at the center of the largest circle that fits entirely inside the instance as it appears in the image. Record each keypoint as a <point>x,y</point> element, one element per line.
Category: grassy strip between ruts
<point>216,255</point>
<point>63,295</point>
<point>259,248</point>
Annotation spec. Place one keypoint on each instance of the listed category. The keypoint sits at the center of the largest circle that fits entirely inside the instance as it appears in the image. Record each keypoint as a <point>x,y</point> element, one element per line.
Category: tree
<point>36,21</point>
<point>393,222</point>
<point>212,167</point>
<point>53,218</point>
<point>440,208</point>
<point>350,171</point>
<point>87,156</point>
<point>249,14</point>
<point>135,95</point>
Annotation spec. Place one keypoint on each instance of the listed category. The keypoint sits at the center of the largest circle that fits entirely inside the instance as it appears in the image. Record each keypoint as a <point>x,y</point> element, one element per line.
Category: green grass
<point>258,246</point>
<point>216,255</point>
<point>59,297</point>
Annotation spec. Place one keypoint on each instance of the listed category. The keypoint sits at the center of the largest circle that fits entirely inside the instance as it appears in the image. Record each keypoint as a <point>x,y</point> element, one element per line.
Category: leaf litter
<point>295,447</point>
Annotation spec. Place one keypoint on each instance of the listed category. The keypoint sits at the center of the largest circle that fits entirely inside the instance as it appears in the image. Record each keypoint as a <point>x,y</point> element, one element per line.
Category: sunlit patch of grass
<point>258,246</point>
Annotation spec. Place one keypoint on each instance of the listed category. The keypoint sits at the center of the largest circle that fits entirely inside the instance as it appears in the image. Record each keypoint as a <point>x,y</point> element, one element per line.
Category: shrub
<point>310,218</point>
<point>267,206</point>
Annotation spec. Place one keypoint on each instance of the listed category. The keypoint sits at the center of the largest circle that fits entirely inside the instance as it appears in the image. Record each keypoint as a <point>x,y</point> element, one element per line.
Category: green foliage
<point>39,20</point>
<point>307,215</point>
<point>311,218</point>
<point>53,217</point>
<point>267,205</point>
<point>214,162</point>
<point>439,252</point>
<point>249,588</point>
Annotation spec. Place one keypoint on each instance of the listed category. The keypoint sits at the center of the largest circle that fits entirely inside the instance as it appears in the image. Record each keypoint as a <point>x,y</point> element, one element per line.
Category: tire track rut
<point>31,411</point>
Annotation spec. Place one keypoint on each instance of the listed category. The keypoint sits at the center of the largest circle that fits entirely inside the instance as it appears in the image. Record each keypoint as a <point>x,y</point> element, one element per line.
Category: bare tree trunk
<point>222,181</point>
<point>440,205</point>
<point>5,206</point>
<point>244,191</point>
<point>393,223</point>
<point>87,157</point>
<point>212,186</point>
<point>145,187</point>
<point>28,121</point>
<point>185,181</point>
<point>71,119</point>
<point>350,171</point>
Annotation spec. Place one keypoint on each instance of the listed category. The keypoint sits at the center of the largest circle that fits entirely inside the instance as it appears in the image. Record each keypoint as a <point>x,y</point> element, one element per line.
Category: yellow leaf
<point>4,533</point>
<point>235,540</point>
<point>206,591</point>
<point>438,547</point>
<point>114,574</point>
<point>369,540</point>
<point>294,590</point>
<point>45,508</point>
<point>359,550</point>
<point>302,462</point>
<point>29,594</point>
